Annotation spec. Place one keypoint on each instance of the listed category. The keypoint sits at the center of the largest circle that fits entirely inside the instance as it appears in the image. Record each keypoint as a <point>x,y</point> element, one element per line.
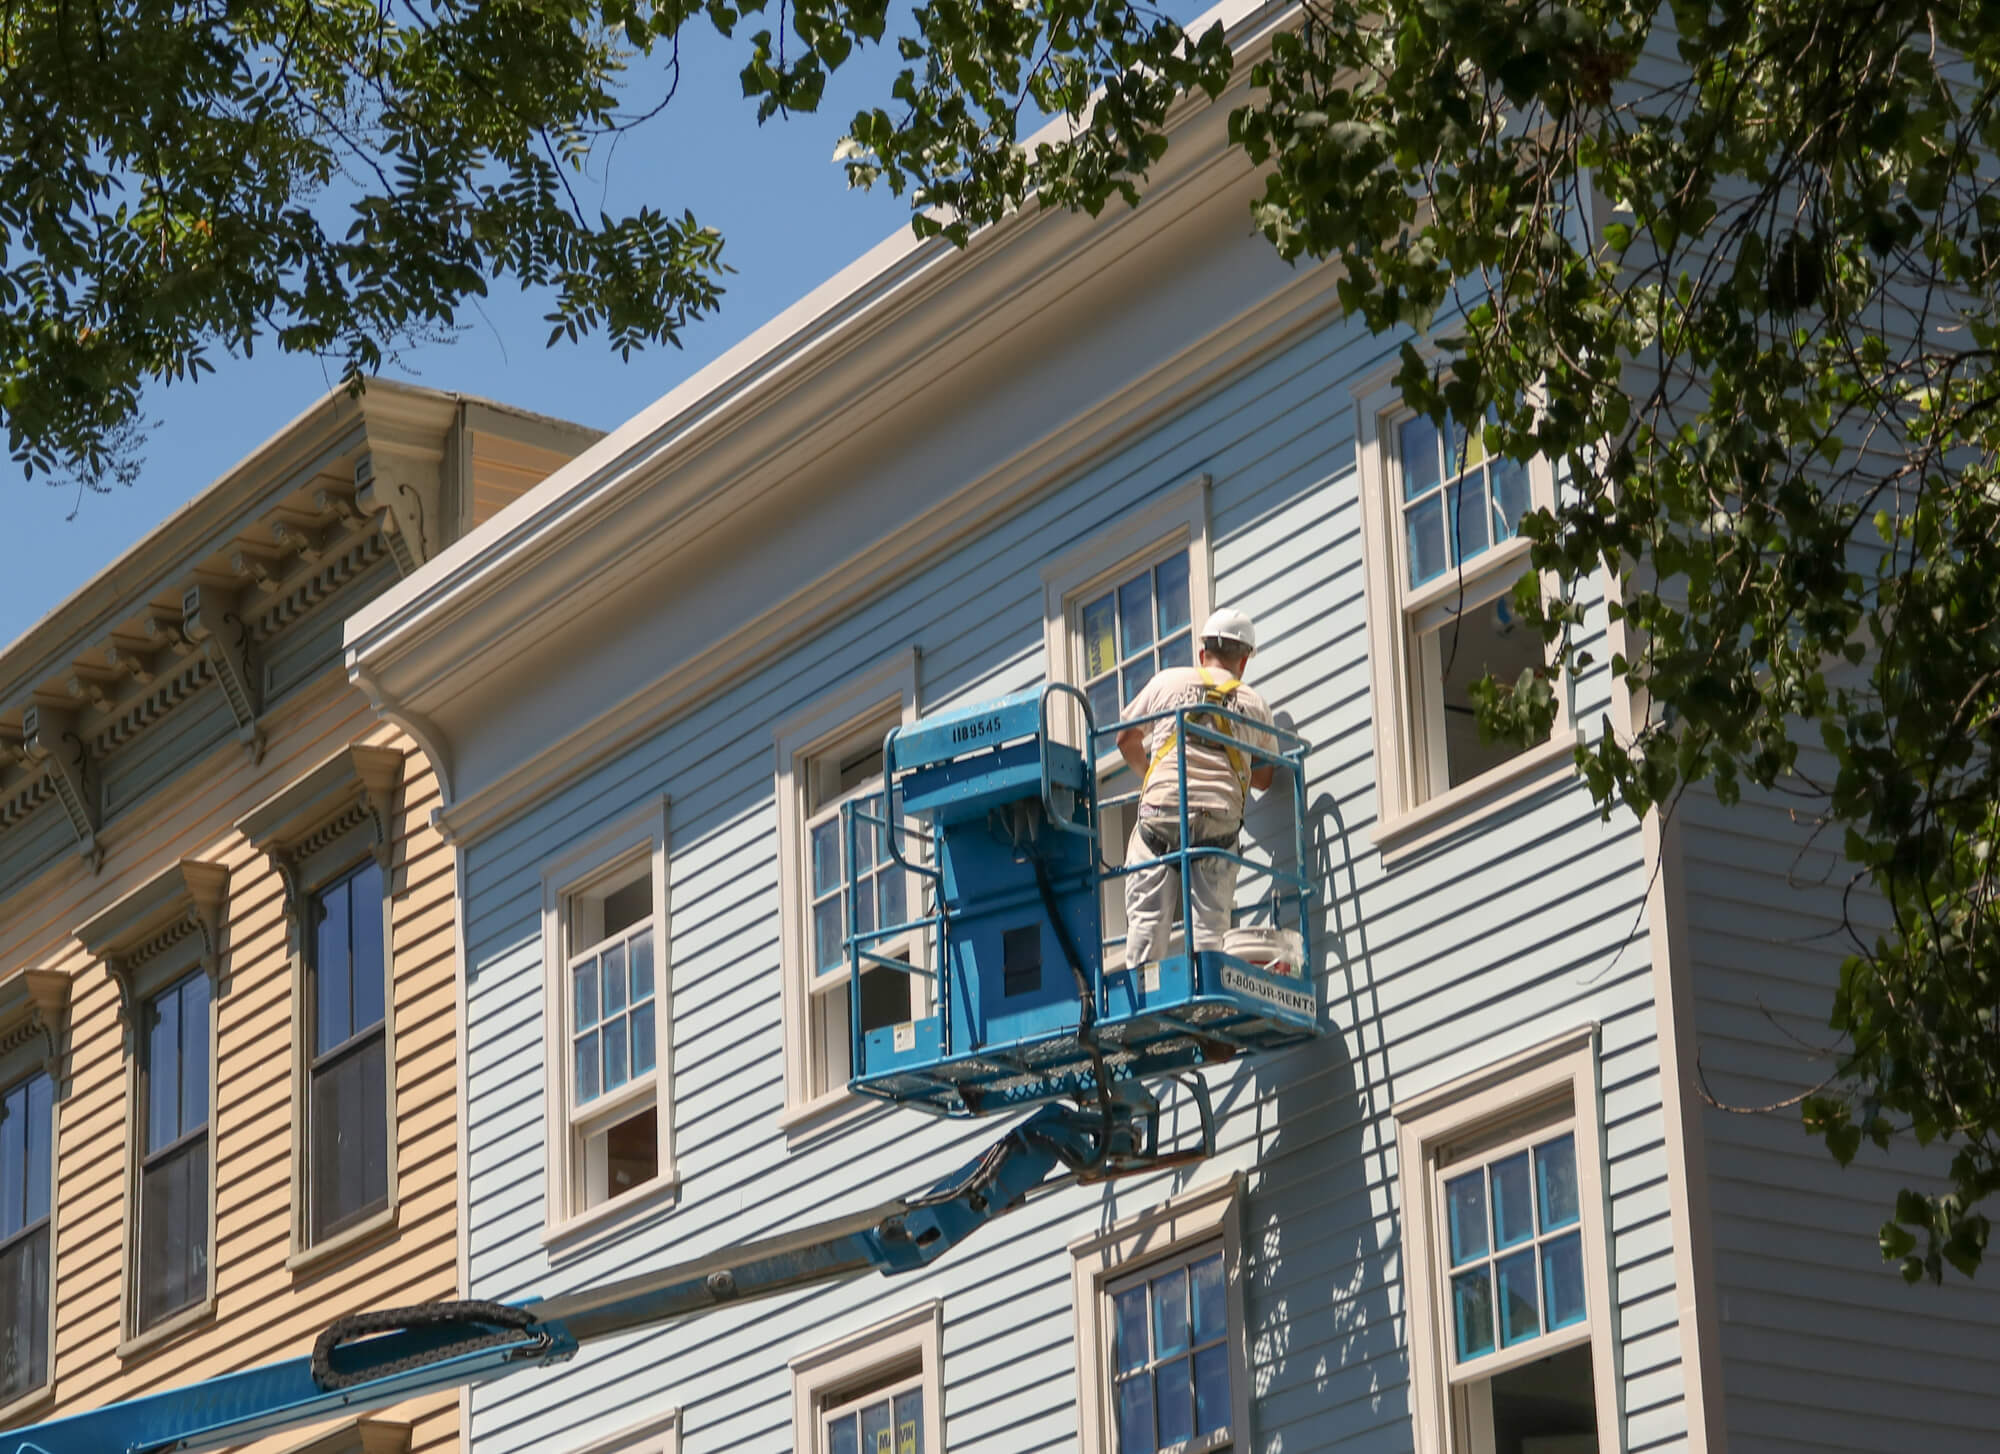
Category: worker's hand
<point>1262,774</point>
<point>1132,747</point>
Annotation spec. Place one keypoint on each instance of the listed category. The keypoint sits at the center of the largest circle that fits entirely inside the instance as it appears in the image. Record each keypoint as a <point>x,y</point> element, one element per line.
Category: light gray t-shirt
<point>1213,783</point>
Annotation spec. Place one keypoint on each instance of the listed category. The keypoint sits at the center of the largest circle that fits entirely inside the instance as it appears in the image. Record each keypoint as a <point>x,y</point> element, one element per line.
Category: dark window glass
<point>348,1113</point>
<point>27,1139</point>
<point>173,1173</point>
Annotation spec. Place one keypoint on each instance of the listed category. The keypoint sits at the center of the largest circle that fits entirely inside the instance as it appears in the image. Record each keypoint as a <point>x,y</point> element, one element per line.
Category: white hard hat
<point>1230,625</point>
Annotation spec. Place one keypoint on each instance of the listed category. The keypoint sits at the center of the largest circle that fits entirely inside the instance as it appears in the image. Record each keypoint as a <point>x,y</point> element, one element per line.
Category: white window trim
<point>1202,1214</point>
<point>916,1333</point>
<point>1406,824</point>
<point>1175,517</point>
<point>657,1434</point>
<point>1561,1072</point>
<point>642,832</point>
<point>889,686</point>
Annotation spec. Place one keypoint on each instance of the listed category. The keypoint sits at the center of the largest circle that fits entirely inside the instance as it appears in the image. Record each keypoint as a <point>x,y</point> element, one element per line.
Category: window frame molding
<point>643,833</point>
<point>1175,516</point>
<point>1560,1075</point>
<point>313,832</point>
<point>34,1032</point>
<point>1406,822</point>
<point>1206,1213</point>
<point>890,685</point>
<point>174,923</point>
<point>915,1332</point>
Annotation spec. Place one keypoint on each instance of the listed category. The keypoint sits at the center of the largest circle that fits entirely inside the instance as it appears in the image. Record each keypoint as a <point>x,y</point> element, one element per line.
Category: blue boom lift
<point>996,819</point>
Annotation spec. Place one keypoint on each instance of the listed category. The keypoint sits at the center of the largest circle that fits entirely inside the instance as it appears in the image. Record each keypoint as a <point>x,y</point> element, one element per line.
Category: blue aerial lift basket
<point>1022,1006</point>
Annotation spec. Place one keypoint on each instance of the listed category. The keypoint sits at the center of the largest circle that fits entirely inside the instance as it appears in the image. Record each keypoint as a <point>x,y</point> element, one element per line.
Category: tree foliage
<point>1732,266</point>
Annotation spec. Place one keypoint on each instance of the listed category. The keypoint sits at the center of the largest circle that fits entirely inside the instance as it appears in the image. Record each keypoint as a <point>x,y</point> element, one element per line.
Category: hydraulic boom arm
<point>374,1359</point>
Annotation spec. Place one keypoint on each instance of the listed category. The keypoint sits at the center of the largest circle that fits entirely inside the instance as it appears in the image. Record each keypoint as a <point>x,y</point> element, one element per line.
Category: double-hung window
<point>829,756</point>
<point>27,1173</point>
<point>1117,608</point>
<point>173,1239</point>
<point>1506,1269</point>
<point>1445,552</point>
<point>1160,1328</point>
<point>609,1020</point>
<point>876,1392</point>
<point>348,1075</point>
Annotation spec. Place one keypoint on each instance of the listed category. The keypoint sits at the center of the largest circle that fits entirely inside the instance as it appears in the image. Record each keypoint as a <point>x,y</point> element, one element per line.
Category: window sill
<point>822,1119</point>
<point>16,1412</point>
<point>582,1232</point>
<point>310,1260</point>
<point>184,1321</point>
<point>1472,803</point>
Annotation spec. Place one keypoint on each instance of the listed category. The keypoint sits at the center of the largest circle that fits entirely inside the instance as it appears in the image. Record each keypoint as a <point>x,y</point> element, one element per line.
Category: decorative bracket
<point>50,742</point>
<point>187,900</point>
<point>406,497</point>
<point>35,1002</point>
<point>210,620</point>
<point>355,787</point>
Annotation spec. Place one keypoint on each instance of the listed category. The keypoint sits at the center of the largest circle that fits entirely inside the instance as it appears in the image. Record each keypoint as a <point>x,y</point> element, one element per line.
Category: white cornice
<point>716,447</point>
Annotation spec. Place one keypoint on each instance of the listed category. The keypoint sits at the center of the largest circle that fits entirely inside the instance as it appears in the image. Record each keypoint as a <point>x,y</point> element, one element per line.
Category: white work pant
<point>1152,893</point>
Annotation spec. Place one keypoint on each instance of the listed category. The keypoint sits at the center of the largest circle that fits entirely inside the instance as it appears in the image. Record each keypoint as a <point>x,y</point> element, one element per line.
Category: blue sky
<point>781,204</point>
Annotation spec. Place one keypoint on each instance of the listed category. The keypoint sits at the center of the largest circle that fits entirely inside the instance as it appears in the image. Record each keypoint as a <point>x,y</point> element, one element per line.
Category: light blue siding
<point>1491,942</point>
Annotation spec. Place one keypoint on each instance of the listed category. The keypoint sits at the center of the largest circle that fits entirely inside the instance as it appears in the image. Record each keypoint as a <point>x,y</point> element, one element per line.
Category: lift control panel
<point>998,824</point>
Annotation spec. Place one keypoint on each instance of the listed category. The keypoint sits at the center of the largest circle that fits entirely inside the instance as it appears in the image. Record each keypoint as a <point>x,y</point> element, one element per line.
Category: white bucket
<point>1281,951</point>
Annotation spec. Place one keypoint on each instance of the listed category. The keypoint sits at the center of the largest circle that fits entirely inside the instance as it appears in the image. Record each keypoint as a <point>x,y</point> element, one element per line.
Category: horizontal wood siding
<point>263,1311</point>
<point>1434,967</point>
<point>1825,1346</point>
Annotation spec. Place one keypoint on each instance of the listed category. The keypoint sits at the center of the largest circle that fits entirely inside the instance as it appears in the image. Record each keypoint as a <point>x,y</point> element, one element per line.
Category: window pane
<point>1520,1307</point>
<point>616,1071</point>
<point>644,1053</point>
<point>1511,497</point>
<point>194,1052</point>
<point>1555,1167</point>
<point>642,965</point>
<point>1178,651</point>
<point>1469,511</point>
<point>173,1233</point>
<point>875,1434</point>
<point>1135,1416</point>
<point>1174,1390</point>
<point>1468,446</point>
<point>1105,701</point>
<point>1562,1280</point>
<point>843,1435</point>
<point>13,1161</point>
<point>1425,523</point>
<point>1465,1204</point>
<point>1100,648</point>
<point>1170,1314</point>
<point>1170,591</point>
<point>826,856</point>
<point>632,1152</point>
<point>1513,1217</point>
<point>41,1092</point>
<point>611,980</point>
<point>586,1067</point>
<point>365,897</point>
<point>332,967</point>
<point>1135,677</point>
<point>828,936</point>
<point>1472,1313</point>
<point>1211,1389</point>
<point>890,889</point>
<point>583,979</point>
<point>1135,614</point>
<point>1129,1338</point>
<point>1418,446</point>
<point>910,1422</point>
<point>350,1132</point>
<point>24,1316</point>
<point>163,1082</point>
<point>864,909</point>
<point>1211,1316</point>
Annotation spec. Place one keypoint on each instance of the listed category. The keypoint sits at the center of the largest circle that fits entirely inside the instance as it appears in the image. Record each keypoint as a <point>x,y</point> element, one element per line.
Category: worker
<point>1219,776</point>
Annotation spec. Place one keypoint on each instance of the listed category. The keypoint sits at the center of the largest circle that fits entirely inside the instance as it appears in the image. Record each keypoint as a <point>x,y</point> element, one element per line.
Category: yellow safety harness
<point>1214,694</point>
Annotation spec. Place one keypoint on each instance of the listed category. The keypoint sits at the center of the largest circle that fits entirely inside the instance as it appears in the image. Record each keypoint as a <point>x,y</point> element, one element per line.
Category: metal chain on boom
<point>496,1324</point>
